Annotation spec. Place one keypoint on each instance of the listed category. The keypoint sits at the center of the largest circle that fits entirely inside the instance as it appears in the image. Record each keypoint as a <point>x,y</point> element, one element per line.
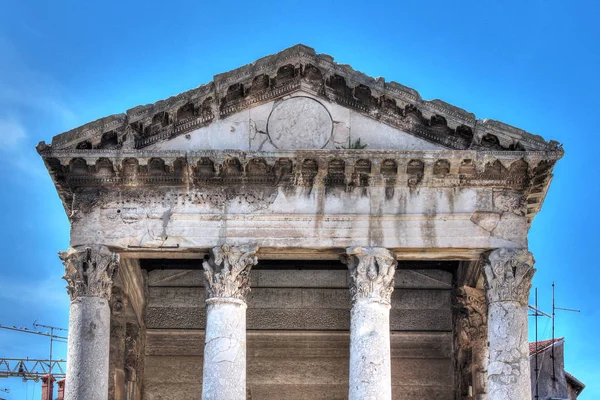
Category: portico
<point>246,247</point>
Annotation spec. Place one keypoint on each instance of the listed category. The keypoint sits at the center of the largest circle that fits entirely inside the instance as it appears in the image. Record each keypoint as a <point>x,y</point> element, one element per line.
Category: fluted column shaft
<point>89,273</point>
<point>372,271</point>
<point>227,275</point>
<point>508,274</point>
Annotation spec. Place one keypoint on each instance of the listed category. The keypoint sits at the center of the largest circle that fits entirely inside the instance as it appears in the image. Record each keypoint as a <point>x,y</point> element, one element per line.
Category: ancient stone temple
<point>295,229</point>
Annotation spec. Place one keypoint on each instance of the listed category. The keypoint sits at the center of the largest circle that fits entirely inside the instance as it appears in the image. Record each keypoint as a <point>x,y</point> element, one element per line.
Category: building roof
<point>542,345</point>
<point>575,383</point>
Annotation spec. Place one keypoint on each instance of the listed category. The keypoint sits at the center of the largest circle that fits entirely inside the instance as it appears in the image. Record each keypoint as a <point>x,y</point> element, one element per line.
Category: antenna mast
<point>536,347</point>
<point>34,369</point>
<point>52,336</point>
<point>537,313</point>
<point>554,308</point>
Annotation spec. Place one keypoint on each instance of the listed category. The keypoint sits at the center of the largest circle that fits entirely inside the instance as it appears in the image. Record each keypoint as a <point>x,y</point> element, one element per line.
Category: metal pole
<point>50,377</point>
<point>536,347</point>
<point>552,354</point>
<point>52,337</point>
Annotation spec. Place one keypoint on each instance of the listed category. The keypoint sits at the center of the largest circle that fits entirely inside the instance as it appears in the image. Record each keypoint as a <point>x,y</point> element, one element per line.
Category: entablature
<point>528,173</point>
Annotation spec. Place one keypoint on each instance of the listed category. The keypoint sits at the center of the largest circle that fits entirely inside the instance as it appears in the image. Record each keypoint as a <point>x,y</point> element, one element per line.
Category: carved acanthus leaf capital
<point>372,272</point>
<point>510,201</point>
<point>227,271</point>
<point>474,323</point>
<point>508,274</point>
<point>89,271</point>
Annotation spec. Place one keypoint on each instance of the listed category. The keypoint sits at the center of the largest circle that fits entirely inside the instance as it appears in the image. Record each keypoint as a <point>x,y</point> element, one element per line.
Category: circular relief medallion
<point>299,123</point>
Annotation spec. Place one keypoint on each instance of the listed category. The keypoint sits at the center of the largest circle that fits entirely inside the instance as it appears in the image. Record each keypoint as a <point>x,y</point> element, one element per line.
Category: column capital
<point>227,271</point>
<point>89,271</point>
<point>474,323</point>
<point>508,274</point>
<point>372,272</point>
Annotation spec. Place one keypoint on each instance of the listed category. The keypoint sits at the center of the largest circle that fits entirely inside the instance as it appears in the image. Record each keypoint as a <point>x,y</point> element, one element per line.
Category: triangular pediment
<point>297,99</point>
<point>296,121</point>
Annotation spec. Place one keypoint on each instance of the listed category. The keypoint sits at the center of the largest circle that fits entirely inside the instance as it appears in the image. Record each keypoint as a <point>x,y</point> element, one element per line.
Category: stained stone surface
<point>88,349</point>
<point>224,372</point>
<point>300,123</point>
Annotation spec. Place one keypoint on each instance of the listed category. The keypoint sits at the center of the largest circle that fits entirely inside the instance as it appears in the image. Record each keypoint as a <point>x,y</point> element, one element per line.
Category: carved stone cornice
<point>474,322</point>
<point>520,180</point>
<point>89,271</point>
<point>372,272</point>
<point>227,271</point>
<point>508,274</point>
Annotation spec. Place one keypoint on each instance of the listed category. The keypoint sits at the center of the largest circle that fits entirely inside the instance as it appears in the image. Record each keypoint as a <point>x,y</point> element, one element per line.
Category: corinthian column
<point>372,271</point>
<point>508,274</point>
<point>89,274</point>
<point>475,330</point>
<point>227,274</point>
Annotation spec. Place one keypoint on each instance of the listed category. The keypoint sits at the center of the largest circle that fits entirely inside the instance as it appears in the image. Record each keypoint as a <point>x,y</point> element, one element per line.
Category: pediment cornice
<point>300,68</point>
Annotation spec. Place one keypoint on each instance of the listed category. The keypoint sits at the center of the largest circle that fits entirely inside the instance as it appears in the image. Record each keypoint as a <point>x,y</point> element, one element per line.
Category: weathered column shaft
<point>89,273</point>
<point>224,375</point>
<point>88,349</point>
<point>370,362</point>
<point>508,274</point>
<point>476,337</point>
<point>227,274</point>
<point>480,360</point>
<point>372,271</point>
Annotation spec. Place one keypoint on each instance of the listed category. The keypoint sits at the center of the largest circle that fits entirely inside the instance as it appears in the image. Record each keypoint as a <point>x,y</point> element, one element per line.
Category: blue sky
<point>532,64</point>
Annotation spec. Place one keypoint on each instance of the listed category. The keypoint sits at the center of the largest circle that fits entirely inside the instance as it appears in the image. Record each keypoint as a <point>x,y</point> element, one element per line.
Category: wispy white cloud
<point>27,95</point>
<point>23,87</point>
<point>17,149</point>
<point>12,133</point>
<point>49,291</point>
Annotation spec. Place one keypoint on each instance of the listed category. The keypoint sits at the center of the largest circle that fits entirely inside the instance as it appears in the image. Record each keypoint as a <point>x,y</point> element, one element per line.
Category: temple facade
<point>295,229</point>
